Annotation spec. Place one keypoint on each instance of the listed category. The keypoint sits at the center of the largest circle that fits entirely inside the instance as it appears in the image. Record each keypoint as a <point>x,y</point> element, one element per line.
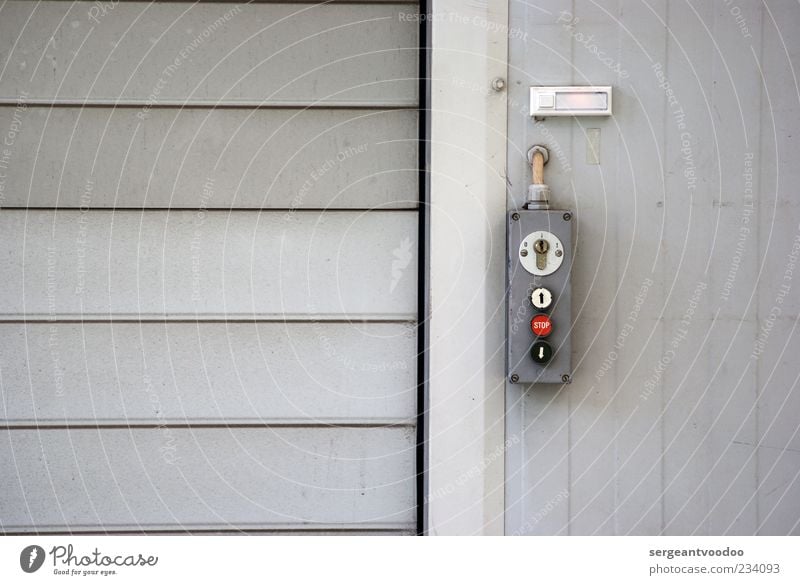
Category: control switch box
<point>539,289</point>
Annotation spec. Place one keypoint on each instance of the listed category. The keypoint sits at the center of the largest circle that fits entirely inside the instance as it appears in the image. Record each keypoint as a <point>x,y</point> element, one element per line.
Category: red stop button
<point>541,325</point>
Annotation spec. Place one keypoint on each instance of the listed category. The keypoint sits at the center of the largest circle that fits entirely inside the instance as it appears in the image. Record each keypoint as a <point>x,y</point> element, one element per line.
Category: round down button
<point>541,352</point>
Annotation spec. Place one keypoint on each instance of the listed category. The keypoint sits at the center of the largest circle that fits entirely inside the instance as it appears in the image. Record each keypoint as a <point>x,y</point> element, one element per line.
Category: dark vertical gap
<point>423,187</point>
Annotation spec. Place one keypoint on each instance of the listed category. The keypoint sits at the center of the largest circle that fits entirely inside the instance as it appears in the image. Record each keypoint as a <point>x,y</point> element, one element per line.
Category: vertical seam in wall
<point>662,424</point>
<point>423,187</point>
<point>489,486</point>
<point>517,415</point>
<point>759,255</point>
<point>569,395</point>
<point>708,394</point>
<point>615,406</point>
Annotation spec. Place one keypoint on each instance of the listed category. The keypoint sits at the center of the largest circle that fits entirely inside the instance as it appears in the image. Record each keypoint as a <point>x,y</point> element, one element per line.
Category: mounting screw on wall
<point>498,84</point>
<point>567,216</point>
<point>514,378</point>
<point>515,216</point>
<point>566,379</point>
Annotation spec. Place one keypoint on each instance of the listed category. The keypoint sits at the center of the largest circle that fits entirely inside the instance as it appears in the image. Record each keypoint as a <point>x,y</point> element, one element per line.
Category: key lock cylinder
<point>539,285</point>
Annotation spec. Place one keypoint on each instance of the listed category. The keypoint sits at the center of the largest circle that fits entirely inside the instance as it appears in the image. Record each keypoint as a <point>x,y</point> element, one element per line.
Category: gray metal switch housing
<point>520,366</point>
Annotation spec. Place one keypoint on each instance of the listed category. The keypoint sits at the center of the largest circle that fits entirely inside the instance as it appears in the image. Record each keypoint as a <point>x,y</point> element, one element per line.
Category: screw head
<point>523,253</point>
<point>515,216</point>
<point>498,84</point>
<point>566,379</point>
<point>567,216</point>
<point>559,253</point>
<point>514,378</point>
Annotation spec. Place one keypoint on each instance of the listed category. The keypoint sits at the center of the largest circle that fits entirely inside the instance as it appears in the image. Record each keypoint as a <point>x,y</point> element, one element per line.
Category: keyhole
<point>541,247</point>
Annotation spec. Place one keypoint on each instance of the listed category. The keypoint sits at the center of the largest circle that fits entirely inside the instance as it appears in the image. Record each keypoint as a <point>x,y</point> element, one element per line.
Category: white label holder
<point>570,101</point>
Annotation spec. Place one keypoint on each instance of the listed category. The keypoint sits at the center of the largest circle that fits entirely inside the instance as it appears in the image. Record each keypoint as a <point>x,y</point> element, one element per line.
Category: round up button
<point>541,298</point>
<point>541,325</point>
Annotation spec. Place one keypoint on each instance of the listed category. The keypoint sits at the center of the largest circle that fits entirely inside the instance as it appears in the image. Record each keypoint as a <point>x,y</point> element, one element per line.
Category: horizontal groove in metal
<point>408,531</point>
<point>223,209</point>
<point>205,104</point>
<point>403,2</point>
<point>205,318</point>
<point>182,529</point>
<point>30,425</point>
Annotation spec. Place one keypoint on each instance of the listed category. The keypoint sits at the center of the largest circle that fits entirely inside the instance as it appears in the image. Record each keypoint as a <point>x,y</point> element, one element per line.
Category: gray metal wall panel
<point>677,426</point>
<point>621,368</point>
<point>267,158</point>
<point>778,455</point>
<point>208,320</point>
<point>254,373</point>
<point>599,195</point>
<point>162,51</point>
<point>202,265</point>
<point>537,427</point>
<point>134,479</point>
